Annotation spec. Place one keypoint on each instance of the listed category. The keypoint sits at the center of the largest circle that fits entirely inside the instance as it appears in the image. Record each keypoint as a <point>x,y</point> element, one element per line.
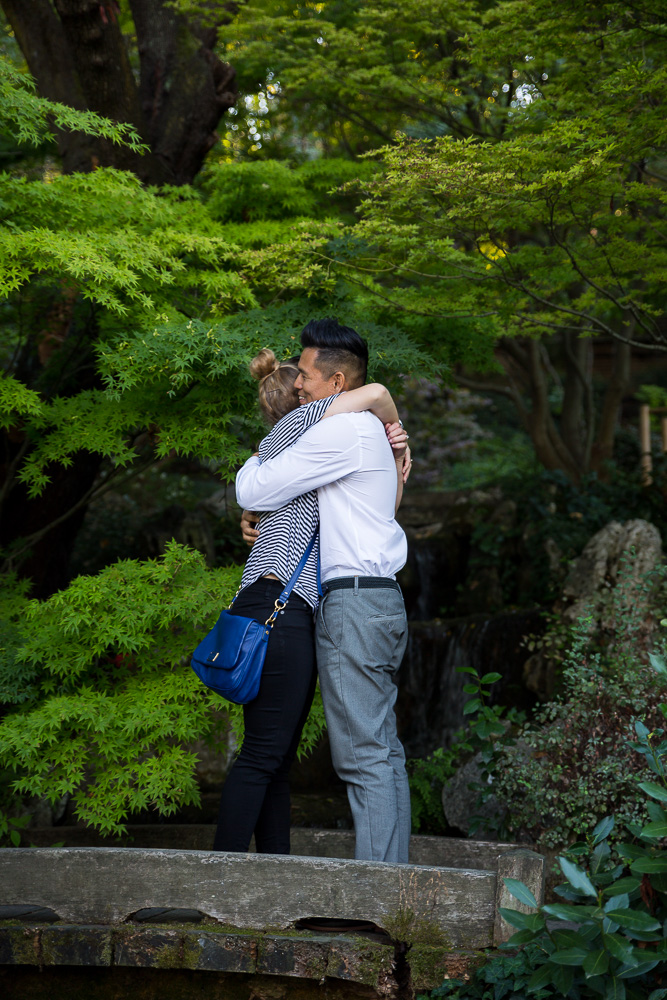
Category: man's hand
<point>249,519</point>
<point>407,464</point>
<point>398,439</point>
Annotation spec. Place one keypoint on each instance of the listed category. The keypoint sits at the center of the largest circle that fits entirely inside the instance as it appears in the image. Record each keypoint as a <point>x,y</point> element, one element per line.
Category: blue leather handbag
<point>230,658</point>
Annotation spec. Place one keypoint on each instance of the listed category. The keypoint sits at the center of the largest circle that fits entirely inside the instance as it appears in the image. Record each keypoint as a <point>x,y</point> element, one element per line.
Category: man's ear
<point>338,382</point>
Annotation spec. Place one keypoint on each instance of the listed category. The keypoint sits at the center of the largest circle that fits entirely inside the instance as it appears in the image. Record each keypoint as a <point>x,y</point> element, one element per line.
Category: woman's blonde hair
<point>277,395</point>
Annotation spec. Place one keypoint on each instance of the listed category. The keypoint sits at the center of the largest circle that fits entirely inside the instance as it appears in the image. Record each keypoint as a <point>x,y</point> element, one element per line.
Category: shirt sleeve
<point>290,428</point>
<point>326,452</point>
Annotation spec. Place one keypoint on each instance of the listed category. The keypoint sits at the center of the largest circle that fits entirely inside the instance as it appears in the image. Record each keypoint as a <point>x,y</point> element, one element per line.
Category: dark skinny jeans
<point>256,798</point>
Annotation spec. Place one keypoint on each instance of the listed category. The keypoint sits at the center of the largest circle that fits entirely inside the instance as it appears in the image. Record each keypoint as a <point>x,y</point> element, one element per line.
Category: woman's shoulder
<point>290,427</point>
<point>306,414</point>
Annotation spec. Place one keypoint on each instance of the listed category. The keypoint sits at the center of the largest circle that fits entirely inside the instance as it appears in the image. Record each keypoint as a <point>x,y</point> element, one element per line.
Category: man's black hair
<point>334,342</point>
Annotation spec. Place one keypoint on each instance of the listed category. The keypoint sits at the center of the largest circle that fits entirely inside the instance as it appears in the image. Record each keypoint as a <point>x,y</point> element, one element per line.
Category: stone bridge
<point>113,920</point>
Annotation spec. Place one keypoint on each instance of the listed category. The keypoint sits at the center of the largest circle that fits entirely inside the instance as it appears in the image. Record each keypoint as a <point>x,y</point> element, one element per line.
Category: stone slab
<point>73,945</point>
<point>444,852</point>
<point>20,945</point>
<point>327,963</point>
<point>109,885</point>
<point>149,948</point>
<point>303,956</point>
<point>529,868</point>
<point>221,952</point>
<point>441,852</point>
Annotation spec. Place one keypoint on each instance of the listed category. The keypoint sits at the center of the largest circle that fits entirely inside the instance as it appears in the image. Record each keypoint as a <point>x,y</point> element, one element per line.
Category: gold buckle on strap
<point>274,614</point>
<point>235,596</point>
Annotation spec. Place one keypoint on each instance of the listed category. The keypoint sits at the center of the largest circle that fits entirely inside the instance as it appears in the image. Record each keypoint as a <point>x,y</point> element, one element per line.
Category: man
<point>361,628</point>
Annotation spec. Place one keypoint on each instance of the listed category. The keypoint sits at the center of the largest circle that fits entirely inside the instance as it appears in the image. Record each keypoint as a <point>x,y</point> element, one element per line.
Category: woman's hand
<point>398,439</point>
<point>249,519</point>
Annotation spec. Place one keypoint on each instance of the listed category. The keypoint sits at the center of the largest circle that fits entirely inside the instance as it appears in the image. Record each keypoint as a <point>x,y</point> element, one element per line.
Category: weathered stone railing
<point>97,902</point>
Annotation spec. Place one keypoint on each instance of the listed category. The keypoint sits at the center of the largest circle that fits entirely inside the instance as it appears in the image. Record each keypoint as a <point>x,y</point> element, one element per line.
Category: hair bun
<point>263,364</point>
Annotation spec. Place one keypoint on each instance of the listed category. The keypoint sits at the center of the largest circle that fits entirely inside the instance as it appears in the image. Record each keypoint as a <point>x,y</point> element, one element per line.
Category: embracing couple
<point>328,461</point>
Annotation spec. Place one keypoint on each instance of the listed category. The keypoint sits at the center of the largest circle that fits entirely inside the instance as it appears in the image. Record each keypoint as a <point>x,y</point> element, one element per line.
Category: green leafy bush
<point>569,766</point>
<point>105,700</point>
<point>427,776</point>
<point>503,975</point>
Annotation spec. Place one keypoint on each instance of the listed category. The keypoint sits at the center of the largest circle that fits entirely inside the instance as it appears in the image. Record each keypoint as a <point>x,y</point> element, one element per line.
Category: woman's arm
<point>373,397</point>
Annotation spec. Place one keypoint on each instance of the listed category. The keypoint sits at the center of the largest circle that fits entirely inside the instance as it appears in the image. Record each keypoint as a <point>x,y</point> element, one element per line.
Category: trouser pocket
<point>330,620</point>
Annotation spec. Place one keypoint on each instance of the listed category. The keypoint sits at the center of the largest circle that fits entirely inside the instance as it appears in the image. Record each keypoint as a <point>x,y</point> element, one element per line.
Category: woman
<point>255,798</point>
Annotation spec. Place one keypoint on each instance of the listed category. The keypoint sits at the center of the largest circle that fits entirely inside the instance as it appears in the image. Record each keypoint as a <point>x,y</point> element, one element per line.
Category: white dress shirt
<point>349,461</point>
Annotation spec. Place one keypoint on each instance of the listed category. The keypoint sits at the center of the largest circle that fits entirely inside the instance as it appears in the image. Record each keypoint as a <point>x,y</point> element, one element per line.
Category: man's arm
<point>324,453</point>
<point>398,439</point>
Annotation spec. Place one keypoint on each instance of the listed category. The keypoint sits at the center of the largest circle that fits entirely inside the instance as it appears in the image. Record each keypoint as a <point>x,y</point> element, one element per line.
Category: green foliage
<point>16,677</point>
<point>11,828</point>
<point>654,395</point>
<point>486,735</point>
<point>116,242</point>
<point>617,900</point>
<point>271,190</point>
<point>109,698</point>
<point>427,777</point>
<point>105,697</point>
<point>609,938</point>
<point>31,118</point>
<point>395,65</point>
<point>545,229</point>
<point>501,976</point>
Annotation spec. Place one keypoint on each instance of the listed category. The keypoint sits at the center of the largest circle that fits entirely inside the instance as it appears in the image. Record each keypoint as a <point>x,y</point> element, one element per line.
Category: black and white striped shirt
<point>285,533</point>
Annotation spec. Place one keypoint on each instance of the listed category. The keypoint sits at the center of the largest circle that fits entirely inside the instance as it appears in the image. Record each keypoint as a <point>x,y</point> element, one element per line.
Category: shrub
<point>427,777</point>
<point>570,765</point>
<point>105,704</point>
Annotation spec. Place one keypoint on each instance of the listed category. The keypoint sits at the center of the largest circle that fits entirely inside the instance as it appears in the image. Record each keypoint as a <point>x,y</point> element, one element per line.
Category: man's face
<point>310,384</point>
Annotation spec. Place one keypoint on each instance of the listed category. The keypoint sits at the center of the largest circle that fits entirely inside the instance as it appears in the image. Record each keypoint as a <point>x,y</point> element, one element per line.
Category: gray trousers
<point>360,637</point>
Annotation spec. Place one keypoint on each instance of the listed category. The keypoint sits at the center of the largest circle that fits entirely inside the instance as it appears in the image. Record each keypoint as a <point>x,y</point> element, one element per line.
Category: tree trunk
<point>184,87</point>
<point>618,385</point>
<point>78,56</point>
<point>577,415</point>
<point>572,446</point>
<point>525,361</point>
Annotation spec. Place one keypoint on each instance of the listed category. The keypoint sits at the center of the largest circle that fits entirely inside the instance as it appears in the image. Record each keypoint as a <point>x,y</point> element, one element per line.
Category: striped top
<point>285,533</point>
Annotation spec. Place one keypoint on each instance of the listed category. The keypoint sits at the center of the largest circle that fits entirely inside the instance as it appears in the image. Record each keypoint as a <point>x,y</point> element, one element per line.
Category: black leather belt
<point>363,582</point>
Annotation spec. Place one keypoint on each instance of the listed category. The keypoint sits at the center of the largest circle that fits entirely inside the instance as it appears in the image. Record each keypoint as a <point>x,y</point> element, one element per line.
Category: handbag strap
<point>282,600</point>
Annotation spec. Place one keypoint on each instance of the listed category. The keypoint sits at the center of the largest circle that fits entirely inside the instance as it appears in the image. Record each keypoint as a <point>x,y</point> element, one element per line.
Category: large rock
<point>620,555</point>
<point>609,584</point>
<point>459,801</point>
